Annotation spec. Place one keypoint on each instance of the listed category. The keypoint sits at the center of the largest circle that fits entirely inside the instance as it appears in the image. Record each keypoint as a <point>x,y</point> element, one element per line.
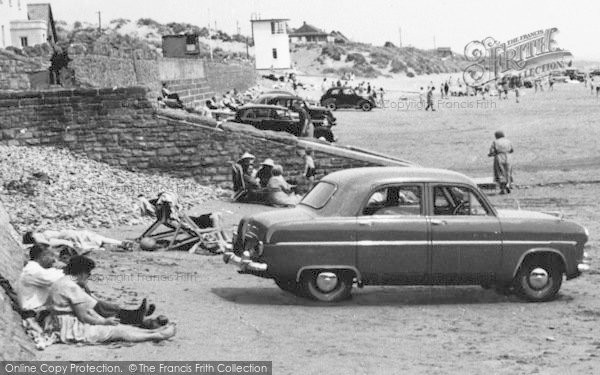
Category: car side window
<point>401,200</point>
<point>335,92</point>
<point>262,112</point>
<point>348,92</point>
<point>457,201</point>
<point>248,114</point>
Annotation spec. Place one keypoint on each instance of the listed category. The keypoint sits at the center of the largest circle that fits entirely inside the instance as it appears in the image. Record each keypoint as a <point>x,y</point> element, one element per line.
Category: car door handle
<point>438,222</point>
<point>365,223</point>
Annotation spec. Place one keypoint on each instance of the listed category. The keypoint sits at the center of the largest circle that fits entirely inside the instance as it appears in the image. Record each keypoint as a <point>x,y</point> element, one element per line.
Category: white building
<point>16,29</point>
<point>271,43</point>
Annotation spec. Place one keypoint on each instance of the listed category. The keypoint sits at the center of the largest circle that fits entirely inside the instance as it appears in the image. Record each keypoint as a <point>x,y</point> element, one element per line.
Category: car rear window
<point>318,197</point>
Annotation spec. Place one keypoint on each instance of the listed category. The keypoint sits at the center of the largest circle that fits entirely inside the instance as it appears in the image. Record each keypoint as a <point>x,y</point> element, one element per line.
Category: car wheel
<point>328,285</point>
<point>330,105</point>
<point>539,280</point>
<point>366,106</point>
<point>290,286</point>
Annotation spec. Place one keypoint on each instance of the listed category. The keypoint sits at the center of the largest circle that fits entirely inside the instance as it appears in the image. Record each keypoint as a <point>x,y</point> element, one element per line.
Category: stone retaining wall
<point>120,127</point>
<point>14,343</point>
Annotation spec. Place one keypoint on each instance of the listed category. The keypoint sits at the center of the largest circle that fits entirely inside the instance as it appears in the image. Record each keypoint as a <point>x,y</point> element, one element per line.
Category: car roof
<point>380,175</point>
<point>268,106</point>
<point>279,95</point>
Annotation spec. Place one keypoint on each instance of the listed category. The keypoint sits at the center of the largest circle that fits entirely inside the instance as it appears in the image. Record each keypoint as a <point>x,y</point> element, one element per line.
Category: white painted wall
<point>10,10</point>
<point>265,42</point>
<point>14,25</point>
<point>34,31</point>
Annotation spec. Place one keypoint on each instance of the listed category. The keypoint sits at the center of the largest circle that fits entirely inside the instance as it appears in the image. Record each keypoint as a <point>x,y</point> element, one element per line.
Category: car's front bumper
<point>584,266</point>
<point>244,262</point>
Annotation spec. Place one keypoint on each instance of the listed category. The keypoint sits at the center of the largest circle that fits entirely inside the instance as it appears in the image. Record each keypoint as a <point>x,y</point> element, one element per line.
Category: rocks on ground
<point>49,188</point>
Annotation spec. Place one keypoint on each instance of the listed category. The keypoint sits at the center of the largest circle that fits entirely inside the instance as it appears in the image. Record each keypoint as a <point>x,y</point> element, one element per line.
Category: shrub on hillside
<point>398,66</point>
<point>381,58</point>
<point>410,74</point>
<point>333,51</point>
<point>358,58</point>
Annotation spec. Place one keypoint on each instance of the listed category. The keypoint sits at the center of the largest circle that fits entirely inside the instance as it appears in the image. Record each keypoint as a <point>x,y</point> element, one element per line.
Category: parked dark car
<point>320,116</point>
<point>268,117</point>
<point>346,97</point>
<point>407,226</point>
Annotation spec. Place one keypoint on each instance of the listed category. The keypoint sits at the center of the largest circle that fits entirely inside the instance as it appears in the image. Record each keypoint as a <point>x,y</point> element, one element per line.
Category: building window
<point>278,27</point>
<point>23,41</point>
<point>274,53</point>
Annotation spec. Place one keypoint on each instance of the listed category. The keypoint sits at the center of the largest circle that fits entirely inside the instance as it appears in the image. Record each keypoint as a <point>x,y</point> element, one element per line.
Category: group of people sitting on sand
<point>266,184</point>
<point>58,306</point>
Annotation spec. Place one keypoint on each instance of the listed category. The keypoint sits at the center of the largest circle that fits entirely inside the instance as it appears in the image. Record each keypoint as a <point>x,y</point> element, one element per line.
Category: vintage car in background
<point>346,97</point>
<point>407,226</point>
<point>277,118</point>
<point>321,117</point>
<point>268,117</point>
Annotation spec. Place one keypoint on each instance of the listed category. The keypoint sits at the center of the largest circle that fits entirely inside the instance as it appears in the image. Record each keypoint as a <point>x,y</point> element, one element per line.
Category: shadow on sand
<point>375,296</point>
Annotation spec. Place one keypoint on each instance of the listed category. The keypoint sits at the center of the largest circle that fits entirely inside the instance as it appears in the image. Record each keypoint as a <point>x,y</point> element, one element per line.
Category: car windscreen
<point>318,197</point>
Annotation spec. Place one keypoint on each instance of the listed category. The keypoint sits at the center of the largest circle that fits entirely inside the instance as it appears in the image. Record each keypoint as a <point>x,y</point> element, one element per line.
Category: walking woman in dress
<point>499,150</point>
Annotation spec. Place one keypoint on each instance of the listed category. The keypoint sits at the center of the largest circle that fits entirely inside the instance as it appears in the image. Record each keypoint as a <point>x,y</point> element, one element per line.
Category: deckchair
<point>175,230</point>
<point>241,193</point>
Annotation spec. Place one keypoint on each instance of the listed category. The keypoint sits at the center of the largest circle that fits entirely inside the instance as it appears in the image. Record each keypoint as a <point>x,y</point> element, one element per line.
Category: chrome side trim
<point>419,242</point>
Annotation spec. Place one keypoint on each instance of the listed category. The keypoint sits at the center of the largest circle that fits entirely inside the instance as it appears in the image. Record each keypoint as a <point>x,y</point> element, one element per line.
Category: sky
<point>420,23</point>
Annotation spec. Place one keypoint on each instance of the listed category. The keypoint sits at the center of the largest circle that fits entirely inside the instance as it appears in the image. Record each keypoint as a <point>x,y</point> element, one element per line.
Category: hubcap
<point>327,281</point>
<point>538,278</point>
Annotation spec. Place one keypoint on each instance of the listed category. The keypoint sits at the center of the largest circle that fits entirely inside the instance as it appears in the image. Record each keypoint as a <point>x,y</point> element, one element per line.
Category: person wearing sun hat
<point>265,172</point>
<point>246,162</point>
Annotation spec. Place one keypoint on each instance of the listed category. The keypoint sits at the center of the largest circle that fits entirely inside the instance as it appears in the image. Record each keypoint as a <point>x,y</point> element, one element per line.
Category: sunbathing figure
<point>81,240</point>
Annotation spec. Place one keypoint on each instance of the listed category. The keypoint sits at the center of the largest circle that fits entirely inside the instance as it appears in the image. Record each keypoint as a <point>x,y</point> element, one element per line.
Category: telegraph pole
<point>400,35</point>
<point>99,22</point>
<point>209,39</point>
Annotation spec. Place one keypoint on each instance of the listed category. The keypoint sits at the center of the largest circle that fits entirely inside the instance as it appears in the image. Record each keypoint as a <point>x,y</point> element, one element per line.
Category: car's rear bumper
<point>244,262</point>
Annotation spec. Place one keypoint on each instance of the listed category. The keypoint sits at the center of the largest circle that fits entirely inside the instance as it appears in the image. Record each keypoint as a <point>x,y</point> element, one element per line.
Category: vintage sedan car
<point>268,117</point>
<point>407,226</point>
<point>346,97</point>
<point>320,116</point>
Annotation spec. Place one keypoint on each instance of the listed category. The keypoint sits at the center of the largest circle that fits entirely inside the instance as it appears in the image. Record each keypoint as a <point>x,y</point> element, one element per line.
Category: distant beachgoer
<point>167,94</point>
<point>309,168</point>
<point>446,89</point>
<point>324,85</point>
<point>430,99</point>
<point>517,94</point>
<point>421,96</point>
<point>499,150</point>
